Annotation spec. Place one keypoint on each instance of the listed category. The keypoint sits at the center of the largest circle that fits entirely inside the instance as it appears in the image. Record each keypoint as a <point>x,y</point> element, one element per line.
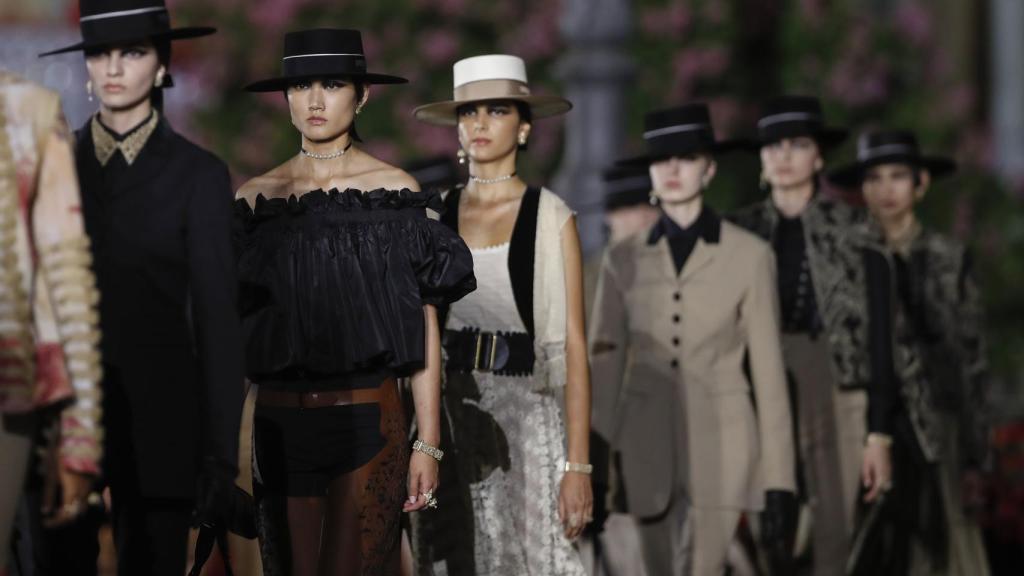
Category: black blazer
<point>165,267</point>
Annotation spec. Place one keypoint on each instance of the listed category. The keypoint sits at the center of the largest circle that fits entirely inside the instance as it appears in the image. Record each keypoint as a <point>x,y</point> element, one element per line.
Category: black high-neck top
<point>334,283</point>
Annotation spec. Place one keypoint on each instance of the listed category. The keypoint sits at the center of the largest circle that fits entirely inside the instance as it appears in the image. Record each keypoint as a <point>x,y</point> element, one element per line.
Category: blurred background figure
<point>49,359</point>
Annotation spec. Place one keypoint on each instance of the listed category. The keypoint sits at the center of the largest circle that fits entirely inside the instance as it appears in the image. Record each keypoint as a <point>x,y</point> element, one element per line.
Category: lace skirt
<point>499,489</point>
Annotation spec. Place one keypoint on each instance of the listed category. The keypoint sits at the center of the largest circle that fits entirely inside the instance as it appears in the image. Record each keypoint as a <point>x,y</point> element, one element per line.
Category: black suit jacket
<point>165,267</point>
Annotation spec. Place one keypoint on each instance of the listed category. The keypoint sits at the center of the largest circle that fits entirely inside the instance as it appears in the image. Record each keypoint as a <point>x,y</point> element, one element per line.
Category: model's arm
<point>213,289</point>
<point>426,393</point>
<point>760,314</point>
<point>65,259</point>
<point>576,498</point>
<point>969,336</point>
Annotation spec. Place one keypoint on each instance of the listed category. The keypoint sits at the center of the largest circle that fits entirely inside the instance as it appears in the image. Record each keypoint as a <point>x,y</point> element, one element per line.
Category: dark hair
<point>525,113</point>
<point>360,89</point>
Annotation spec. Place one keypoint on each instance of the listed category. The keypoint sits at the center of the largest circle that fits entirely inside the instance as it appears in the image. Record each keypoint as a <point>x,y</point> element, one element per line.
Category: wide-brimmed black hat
<point>626,186</point>
<point>322,53</point>
<point>112,22</point>
<point>888,147</point>
<point>678,131</point>
<point>792,117</point>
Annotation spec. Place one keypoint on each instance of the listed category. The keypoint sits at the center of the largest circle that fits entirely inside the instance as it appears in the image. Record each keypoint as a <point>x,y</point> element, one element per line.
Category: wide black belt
<point>503,353</point>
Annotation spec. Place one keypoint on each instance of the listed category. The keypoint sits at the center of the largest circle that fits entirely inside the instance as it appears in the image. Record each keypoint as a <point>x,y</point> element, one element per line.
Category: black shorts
<point>300,450</point>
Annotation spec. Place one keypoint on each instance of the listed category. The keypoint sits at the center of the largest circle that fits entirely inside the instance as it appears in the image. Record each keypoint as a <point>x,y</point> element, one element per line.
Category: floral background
<point>918,64</point>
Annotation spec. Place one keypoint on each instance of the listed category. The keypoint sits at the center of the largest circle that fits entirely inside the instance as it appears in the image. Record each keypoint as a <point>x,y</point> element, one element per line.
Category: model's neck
<point>900,230</point>
<point>684,214</point>
<point>489,181</point>
<point>327,147</point>
<point>121,120</point>
<point>791,201</point>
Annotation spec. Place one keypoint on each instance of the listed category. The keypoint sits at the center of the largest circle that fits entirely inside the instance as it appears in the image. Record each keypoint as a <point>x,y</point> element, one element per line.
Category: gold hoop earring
<point>88,90</point>
<point>461,154</point>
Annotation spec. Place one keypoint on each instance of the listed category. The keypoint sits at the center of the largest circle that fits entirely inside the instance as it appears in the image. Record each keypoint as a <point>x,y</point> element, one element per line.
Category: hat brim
<point>720,147</point>
<point>852,175</point>
<point>444,113</point>
<point>280,83</point>
<point>185,33</point>
<point>827,138</point>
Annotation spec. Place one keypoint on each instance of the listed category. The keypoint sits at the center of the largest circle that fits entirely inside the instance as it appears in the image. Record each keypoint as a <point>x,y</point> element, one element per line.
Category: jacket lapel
<point>702,255</point>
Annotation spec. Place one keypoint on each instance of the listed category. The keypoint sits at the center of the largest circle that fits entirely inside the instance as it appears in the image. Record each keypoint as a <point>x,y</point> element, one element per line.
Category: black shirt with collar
<point>682,241</point>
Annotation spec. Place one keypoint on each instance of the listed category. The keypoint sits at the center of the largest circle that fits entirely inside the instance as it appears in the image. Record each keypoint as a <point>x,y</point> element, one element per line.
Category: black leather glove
<point>213,493</point>
<point>778,522</point>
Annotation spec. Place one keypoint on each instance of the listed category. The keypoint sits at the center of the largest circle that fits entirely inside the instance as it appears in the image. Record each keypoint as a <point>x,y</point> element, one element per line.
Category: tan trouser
<point>687,540</point>
<point>15,447</point>
<point>831,425</point>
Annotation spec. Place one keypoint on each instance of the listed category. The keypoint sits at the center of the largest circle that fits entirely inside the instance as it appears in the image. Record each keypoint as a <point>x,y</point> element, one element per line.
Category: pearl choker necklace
<point>330,156</point>
<point>492,180</point>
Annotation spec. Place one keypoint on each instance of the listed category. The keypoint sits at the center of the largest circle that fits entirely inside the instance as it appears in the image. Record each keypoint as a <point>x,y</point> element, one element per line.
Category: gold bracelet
<point>433,452</point>
<point>581,468</point>
<point>880,439</point>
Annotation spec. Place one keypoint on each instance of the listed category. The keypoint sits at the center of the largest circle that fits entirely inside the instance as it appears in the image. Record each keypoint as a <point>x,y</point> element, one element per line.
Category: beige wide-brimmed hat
<point>491,77</point>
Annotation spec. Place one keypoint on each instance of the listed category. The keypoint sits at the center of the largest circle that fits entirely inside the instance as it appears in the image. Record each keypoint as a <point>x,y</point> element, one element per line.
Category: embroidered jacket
<point>48,321</point>
<point>837,275</point>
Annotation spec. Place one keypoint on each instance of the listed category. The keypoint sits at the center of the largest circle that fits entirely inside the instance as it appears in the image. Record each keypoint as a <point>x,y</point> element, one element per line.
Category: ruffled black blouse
<point>333,283</point>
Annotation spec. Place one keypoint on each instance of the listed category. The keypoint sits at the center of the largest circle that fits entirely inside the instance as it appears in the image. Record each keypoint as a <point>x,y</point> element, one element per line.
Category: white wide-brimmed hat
<point>490,77</point>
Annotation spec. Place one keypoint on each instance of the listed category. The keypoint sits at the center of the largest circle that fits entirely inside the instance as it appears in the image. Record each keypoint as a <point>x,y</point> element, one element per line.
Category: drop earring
<point>652,198</point>
<point>522,139</point>
<point>461,154</point>
<point>159,81</point>
<point>88,90</point>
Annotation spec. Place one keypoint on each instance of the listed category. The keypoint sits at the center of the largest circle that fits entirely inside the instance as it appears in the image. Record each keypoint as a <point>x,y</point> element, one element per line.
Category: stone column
<point>1007,53</point>
<point>595,71</point>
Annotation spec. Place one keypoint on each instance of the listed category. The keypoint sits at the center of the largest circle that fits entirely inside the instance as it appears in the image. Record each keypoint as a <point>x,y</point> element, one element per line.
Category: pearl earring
<point>461,154</point>
<point>522,139</point>
<point>88,89</point>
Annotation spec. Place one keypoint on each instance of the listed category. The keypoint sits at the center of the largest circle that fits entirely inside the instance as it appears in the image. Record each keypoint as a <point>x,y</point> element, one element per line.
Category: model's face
<point>629,220</point>
<point>490,131</point>
<point>681,178</point>
<point>890,190</point>
<point>123,77</point>
<point>791,162</point>
<point>323,110</point>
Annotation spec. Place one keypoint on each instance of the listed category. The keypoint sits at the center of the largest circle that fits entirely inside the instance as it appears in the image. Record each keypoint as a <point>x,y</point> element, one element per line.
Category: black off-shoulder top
<point>333,283</point>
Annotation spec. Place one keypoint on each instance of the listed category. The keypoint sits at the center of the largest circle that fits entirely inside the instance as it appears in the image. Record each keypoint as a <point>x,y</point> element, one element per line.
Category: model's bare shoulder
<point>273,184</point>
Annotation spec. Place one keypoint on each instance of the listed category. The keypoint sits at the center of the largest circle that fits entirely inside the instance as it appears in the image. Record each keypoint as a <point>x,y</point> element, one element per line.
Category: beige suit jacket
<point>670,390</point>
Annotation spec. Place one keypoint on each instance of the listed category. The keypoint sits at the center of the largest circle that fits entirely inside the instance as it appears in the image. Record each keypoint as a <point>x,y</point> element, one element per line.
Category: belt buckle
<point>309,400</point>
<point>480,336</point>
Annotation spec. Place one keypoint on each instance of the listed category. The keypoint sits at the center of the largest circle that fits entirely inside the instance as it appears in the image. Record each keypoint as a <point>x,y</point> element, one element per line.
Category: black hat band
<point>680,142</point>
<point>866,154</point>
<point>312,65</point>
<point>142,22</point>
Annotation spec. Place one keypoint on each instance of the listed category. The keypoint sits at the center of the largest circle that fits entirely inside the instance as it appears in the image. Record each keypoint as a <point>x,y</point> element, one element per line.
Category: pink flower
<point>914,21</point>
<point>812,11</point>
<point>275,15</point>
<point>666,21</point>
<point>439,47</point>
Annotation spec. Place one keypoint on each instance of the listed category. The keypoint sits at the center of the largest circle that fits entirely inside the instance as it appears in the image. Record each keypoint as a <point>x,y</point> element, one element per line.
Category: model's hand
<point>575,503</point>
<point>422,481</point>
<point>74,498</point>
<point>877,470</point>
